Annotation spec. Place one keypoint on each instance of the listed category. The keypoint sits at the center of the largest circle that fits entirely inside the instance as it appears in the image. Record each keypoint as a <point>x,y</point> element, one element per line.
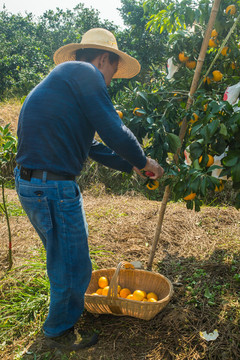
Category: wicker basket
<point>132,279</point>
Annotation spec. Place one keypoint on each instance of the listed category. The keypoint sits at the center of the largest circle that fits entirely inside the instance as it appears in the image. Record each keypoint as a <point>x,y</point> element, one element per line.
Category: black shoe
<point>72,342</point>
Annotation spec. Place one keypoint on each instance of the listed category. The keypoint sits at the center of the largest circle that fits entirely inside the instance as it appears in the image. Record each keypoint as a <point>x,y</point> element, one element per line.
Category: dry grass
<point>198,252</point>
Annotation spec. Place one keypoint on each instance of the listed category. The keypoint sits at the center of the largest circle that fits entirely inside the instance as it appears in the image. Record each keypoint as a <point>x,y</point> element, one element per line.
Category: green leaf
<point>140,93</point>
<point>203,186</point>
<point>237,201</point>
<point>223,130</point>
<point>230,160</point>
<point>207,293</point>
<point>195,150</point>
<point>235,171</point>
<point>174,142</point>
<point>212,127</point>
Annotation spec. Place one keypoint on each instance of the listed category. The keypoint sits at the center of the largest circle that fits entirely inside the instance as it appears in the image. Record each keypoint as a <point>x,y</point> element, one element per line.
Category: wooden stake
<point>183,129</point>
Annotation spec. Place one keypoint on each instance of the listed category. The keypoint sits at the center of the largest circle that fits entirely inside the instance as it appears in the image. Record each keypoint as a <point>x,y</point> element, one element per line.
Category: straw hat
<point>100,39</point>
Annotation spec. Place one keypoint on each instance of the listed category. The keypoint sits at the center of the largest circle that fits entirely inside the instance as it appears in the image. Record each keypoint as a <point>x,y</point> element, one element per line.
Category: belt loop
<point>44,176</point>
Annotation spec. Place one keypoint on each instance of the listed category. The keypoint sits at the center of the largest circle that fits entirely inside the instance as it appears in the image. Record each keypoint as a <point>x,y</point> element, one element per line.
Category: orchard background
<point>153,106</point>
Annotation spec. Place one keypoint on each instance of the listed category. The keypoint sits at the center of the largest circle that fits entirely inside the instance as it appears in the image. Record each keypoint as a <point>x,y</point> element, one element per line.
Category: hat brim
<point>128,66</point>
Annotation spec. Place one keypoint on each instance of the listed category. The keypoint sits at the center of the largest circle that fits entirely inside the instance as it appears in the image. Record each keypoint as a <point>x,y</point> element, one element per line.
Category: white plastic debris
<point>209,337</point>
<point>171,68</point>
<point>232,95</point>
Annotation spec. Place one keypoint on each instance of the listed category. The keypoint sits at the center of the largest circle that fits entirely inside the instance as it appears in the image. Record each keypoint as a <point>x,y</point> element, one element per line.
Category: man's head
<point>105,61</point>
<point>103,40</point>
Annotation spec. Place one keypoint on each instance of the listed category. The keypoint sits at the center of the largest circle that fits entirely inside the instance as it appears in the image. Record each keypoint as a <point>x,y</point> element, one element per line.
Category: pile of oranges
<point>138,295</point>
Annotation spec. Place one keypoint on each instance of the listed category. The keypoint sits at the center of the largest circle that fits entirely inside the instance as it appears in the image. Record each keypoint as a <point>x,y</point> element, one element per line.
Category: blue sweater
<point>60,117</point>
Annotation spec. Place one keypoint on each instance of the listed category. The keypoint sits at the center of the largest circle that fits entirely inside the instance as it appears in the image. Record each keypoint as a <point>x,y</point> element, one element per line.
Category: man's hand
<point>153,167</point>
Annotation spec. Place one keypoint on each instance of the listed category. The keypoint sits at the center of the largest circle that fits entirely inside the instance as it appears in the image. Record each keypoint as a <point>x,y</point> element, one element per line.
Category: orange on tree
<point>210,160</point>
<point>138,295</point>
<point>191,64</point>
<point>214,33</point>
<point>182,57</point>
<point>136,112</point>
<point>205,107</point>
<point>152,295</point>
<point>217,75</point>
<point>220,187</point>
<point>224,51</point>
<point>192,121</point>
<point>231,10</point>
<point>190,196</point>
<point>120,114</point>
<point>233,66</point>
<point>212,43</point>
<point>207,79</point>
<point>102,282</point>
<point>124,292</point>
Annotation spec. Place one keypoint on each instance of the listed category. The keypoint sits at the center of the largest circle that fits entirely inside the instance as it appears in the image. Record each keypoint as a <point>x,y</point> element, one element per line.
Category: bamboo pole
<point>183,128</point>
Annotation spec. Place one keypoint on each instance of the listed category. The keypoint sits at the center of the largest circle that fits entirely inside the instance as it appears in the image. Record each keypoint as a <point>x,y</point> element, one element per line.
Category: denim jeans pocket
<point>37,209</point>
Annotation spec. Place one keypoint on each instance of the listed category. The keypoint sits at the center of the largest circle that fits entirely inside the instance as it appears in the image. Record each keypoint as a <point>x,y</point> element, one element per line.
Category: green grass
<point>14,209</point>
<point>24,298</point>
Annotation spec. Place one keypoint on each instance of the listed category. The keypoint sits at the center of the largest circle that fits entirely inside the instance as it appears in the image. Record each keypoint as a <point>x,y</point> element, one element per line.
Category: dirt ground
<point>122,228</point>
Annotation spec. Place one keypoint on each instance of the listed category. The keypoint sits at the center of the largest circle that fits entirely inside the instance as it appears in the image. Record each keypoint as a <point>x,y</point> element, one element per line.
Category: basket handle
<point>113,286</point>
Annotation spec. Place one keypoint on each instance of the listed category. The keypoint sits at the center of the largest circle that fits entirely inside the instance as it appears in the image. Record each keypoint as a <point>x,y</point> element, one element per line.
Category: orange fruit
<point>120,114</point>
<point>190,196</point>
<point>124,292</point>
<point>182,57</point>
<point>231,10</point>
<point>102,282</point>
<point>130,297</point>
<point>191,64</point>
<point>152,295</point>
<point>152,300</point>
<point>207,79</point>
<point>152,185</point>
<point>105,290</point>
<point>220,187</point>
<point>224,51</point>
<point>138,295</point>
<point>214,33</point>
<point>233,65</point>
<point>136,112</point>
<point>205,107</point>
<point>94,293</point>
<point>212,43</point>
<point>195,118</point>
<point>145,299</point>
<point>119,289</point>
<point>217,75</point>
<point>99,291</point>
<point>210,160</point>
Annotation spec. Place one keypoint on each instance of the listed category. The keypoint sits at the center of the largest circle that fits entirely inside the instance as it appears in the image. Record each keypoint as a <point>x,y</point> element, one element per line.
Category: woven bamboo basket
<point>132,279</point>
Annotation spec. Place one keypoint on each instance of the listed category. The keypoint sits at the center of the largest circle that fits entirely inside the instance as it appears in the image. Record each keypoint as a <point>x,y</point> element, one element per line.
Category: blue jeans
<point>55,209</point>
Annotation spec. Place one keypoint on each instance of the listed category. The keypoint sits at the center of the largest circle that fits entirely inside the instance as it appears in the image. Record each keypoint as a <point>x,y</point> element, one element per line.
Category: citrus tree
<point>213,123</point>
<point>8,150</point>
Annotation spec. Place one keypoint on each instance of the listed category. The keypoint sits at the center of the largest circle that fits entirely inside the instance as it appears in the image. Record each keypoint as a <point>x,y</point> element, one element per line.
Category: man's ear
<point>102,60</point>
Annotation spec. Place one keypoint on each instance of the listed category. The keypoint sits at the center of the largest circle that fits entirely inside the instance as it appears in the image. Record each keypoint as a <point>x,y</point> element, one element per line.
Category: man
<point>56,129</point>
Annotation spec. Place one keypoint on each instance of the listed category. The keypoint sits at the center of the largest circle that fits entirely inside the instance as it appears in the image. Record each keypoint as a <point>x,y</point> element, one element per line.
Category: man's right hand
<point>153,167</point>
